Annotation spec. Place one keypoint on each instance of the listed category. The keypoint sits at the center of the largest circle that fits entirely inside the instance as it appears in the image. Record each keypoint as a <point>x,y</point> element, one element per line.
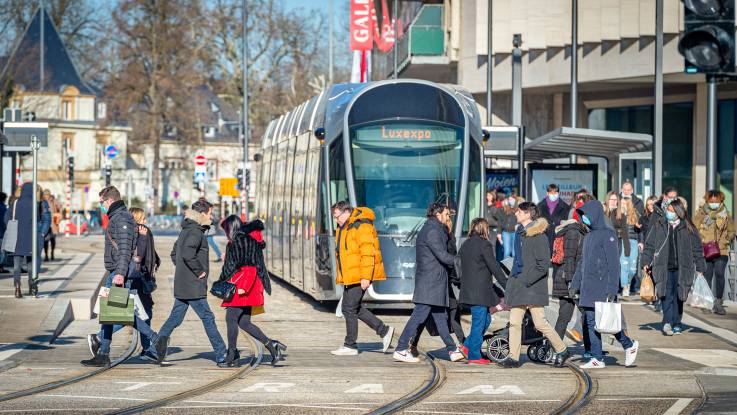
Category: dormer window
<point>208,131</point>
<point>68,98</point>
<point>101,110</point>
<point>214,107</point>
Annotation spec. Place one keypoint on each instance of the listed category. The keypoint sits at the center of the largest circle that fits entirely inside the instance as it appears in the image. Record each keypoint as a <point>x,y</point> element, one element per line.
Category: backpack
<point>558,250</point>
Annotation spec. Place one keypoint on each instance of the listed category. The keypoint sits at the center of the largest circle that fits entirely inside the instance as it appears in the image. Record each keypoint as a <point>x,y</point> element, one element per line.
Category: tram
<point>394,146</point>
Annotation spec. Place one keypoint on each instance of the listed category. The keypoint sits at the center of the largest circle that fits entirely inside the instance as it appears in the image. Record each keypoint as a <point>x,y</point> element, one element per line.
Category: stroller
<point>495,346</point>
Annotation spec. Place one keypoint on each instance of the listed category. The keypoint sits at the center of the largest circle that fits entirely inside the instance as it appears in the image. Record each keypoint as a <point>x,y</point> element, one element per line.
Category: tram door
<point>637,168</point>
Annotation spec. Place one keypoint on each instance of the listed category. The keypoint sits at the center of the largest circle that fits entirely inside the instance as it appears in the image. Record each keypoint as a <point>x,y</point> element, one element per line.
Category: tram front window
<point>400,168</point>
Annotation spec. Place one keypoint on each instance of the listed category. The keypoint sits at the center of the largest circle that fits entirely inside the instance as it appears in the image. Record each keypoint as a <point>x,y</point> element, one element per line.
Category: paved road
<point>669,378</point>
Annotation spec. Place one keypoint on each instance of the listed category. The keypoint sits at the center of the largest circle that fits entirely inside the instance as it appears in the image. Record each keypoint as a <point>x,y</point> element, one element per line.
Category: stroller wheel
<point>545,353</point>
<point>532,352</point>
<point>497,348</point>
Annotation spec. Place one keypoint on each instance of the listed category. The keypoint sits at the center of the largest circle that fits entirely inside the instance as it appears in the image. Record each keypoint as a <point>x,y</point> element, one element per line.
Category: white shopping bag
<point>339,309</point>
<point>103,293</point>
<point>608,317</point>
<point>701,296</point>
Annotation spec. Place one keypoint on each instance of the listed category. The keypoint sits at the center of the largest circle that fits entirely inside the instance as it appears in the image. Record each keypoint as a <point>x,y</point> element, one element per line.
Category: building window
<point>727,151</point>
<point>67,108</point>
<point>208,131</point>
<point>101,110</point>
<point>16,103</point>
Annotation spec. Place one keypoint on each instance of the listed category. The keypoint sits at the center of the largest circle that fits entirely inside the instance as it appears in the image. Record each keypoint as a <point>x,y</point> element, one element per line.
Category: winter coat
<point>433,261</point>
<point>3,211</point>
<point>492,216</point>
<point>246,250</point>
<point>715,225</point>
<point>145,250</point>
<point>597,274</point>
<point>190,256</point>
<point>689,254</point>
<point>573,233</point>
<point>120,239</point>
<point>644,228</point>
<point>357,249</point>
<point>24,216</point>
<point>560,213</point>
<point>55,212</point>
<point>507,221</point>
<point>622,230</point>
<point>530,287</point>
<point>478,264</point>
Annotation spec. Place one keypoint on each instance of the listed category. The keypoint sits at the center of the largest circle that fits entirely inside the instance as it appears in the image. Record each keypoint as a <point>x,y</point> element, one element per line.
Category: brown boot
<point>719,307</point>
<point>18,294</point>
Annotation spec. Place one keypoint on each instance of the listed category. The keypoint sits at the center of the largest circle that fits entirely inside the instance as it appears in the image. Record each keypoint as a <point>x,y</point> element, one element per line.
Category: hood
<point>26,191</point>
<point>565,224</point>
<point>595,212</point>
<point>537,227</point>
<point>361,213</point>
<point>253,229</point>
<point>197,217</point>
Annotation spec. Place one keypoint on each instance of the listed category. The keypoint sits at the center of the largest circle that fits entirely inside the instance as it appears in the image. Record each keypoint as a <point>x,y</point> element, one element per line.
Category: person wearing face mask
<point>554,210</point>
<point>508,224</point>
<point>716,227</point>
<point>618,219</point>
<point>674,255</point>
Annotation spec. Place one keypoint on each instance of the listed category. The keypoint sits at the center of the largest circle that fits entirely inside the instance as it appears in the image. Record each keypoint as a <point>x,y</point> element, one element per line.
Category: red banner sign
<point>361,25</point>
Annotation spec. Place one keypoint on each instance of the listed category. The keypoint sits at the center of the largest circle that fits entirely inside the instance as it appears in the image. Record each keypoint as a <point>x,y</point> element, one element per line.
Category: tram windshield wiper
<point>416,229</point>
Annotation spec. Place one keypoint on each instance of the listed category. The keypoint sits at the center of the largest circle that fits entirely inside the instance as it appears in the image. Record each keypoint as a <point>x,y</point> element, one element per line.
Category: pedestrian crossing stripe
<point>705,357</point>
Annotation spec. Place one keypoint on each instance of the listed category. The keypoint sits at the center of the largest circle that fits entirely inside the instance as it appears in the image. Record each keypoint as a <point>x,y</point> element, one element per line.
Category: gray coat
<point>120,237</point>
<point>191,258</point>
<point>530,287</point>
<point>433,261</point>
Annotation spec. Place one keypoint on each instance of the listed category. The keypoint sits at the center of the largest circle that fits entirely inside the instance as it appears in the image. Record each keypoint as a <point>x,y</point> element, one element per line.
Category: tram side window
<point>338,183</point>
<point>473,201</point>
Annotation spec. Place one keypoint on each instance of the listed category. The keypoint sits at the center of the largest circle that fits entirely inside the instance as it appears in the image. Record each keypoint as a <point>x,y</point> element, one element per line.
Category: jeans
<point>420,313</point>
<point>508,243</point>
<point>240,317</point>
<point>480,322</point>
<point>214,246</point>
<point>565,313</point>
<point>353,310</point>
<point>589,322</point>
<point>107,330</point>
<point>516,315</point>
<point>203,311</point>
<point>628,264</point>
<point>715,271</point>
<point>672,304</point>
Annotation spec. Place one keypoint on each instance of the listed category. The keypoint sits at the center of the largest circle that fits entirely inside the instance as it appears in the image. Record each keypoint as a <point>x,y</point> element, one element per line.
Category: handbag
<point>224,289</point>
<point>647,289</point>
<point>11,233</point>
<point>711,248</point>
<point>118,297</point>
<point>111,314</point>
<point>608,317</point>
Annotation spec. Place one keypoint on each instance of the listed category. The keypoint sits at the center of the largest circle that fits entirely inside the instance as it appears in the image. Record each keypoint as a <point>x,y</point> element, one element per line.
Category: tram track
<point>581,397</point>
<point>254,363</point>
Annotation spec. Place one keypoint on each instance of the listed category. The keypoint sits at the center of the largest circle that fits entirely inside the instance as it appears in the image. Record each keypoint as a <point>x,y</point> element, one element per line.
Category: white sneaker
<point>626,292</point>
<point>456,355</point>
<point>345,351</point>
<point>630,355</point>
<point>593,364</point>
<point>405,356</point>
<point>388,339</point>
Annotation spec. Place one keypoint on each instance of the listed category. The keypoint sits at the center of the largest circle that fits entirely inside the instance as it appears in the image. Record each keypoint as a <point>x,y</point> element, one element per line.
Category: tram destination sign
<point>405,132</point>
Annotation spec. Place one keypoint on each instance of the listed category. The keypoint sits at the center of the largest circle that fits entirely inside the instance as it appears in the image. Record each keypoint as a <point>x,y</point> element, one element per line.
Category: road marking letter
<point>367,388</point>
<point>268,387</point>
<point>491,390</point>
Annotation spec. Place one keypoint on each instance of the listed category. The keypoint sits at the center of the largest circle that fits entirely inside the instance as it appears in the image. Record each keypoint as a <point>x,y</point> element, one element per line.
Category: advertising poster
<point>570,178</point>
<point>506,180</point>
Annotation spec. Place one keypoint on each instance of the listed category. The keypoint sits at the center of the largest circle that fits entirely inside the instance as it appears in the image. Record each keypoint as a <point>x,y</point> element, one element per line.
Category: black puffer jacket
<point>243,251</point>
<point>622,229</point>
<point>120,238</point>
<point>507,221</point>
<point>190,256</point>
<point>573,233</point>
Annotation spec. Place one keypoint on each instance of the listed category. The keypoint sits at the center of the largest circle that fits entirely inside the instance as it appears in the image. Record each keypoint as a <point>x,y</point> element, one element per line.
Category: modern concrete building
<point>446,41</point>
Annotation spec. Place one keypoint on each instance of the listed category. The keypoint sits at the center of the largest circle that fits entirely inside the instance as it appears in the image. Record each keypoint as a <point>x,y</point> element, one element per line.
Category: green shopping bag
<point>118,296</point>
<point>110,314</point>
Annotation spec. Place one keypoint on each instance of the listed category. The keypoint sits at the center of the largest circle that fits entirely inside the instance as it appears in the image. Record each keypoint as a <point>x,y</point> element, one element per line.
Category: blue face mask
<point>585,219</point>
<point>553,197</point>
<point>714,206</point>
<point>671,216</point>
<point>103,209</point>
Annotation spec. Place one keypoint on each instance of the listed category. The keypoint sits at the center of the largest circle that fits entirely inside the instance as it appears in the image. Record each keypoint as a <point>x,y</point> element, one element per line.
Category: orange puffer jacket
<point>357,249</point>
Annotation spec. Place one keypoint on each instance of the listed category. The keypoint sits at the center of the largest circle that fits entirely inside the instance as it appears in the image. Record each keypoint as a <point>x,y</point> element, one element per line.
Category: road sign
<point>228,187</point>
<point>200,160</point>
<point>19,134</point>
<point>200,176</point>
<point>111,151</point>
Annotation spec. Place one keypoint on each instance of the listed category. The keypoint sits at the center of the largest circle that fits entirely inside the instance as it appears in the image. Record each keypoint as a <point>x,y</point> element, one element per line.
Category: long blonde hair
<point>139,215</point>
<point>632,214</point>
<point>480,227</point>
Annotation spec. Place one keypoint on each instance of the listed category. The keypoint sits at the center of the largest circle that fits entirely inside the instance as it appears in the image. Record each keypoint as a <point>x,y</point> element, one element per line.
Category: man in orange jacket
<point>359,263</point>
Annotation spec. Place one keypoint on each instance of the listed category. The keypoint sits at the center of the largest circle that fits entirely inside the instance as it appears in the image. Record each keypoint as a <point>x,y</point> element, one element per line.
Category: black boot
<point>719,307</point>
<point>101,360</point>
<point>233,359</point>
<point>18,293</point>
<point>559,359</point>
<point>34,288</point>
<point>162,343</point>
<point>275,348</point>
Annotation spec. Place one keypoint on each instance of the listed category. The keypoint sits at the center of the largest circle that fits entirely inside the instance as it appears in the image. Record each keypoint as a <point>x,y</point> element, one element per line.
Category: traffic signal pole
<point>657,146</point>
<point>711,132</point>
<point>244,190</point>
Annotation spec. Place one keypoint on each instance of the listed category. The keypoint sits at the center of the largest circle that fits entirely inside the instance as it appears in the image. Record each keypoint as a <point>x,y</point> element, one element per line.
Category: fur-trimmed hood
<point>564,224</point>
<point>537,227</point>
<point>197,217</point>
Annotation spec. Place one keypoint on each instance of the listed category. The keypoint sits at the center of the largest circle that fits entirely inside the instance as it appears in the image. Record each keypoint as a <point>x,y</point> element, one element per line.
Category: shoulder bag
<point>224,289</point>
<point>11,233</point>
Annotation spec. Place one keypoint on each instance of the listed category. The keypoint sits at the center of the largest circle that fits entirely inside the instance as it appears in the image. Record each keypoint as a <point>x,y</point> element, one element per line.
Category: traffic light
<point>248,177</point>
<point>708,41</point>
<point>239,176</point>
<point>70,169</point>
<point>108,175</point>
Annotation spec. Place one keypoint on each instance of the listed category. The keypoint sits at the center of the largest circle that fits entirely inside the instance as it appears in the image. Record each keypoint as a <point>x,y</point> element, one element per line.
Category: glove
<point>573,293</point>
<point>611,297</point>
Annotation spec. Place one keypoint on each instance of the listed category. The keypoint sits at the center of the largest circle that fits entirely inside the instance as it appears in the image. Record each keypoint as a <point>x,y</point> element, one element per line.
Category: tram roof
<point>327,110</point>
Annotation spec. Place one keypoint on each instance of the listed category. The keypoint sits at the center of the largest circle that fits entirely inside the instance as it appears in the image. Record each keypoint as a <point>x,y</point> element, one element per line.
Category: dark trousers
<point>353,310</point>
<point>589,324</point>
<point>565,313</point>
<point>419,315</point>
<point>672,305</point>
<point>240,317</point>
<point>203,311</point>
<point>454,315</point>
<point>51,242</point>
<point>715,271</point>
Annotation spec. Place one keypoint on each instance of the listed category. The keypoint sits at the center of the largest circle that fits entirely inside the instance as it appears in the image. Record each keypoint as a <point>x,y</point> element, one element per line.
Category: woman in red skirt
<point>244,266</point>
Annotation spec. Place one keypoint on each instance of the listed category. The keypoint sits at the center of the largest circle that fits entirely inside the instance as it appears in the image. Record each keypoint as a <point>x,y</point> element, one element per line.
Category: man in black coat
<point>554,210</point>
<point>431,295</point>
<point>628,192</point>
<point>190,256</point>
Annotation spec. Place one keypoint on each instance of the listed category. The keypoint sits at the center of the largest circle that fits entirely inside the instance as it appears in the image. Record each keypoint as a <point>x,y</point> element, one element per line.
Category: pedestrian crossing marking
<point>491,390</point>
<point>705,357</point>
